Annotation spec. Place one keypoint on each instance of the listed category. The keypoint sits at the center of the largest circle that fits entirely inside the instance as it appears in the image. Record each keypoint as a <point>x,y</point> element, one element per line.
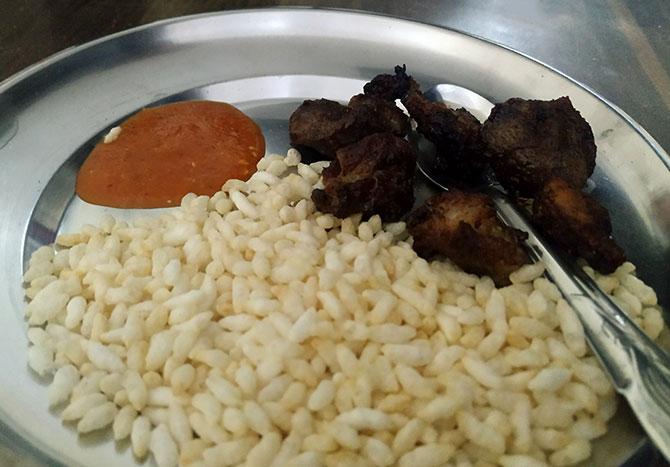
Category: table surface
<point>618,48</point>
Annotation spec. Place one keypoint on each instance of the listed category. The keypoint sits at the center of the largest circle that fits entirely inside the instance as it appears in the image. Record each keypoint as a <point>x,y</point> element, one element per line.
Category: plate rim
<point>54,58</point>
<point>21,442</point>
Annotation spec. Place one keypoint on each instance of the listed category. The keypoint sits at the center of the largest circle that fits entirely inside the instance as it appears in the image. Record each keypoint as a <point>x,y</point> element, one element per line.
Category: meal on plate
<point>303,316</point>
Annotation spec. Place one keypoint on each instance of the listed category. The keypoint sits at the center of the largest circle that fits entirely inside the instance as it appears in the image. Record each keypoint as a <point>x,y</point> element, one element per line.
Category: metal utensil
<point>639,369</point>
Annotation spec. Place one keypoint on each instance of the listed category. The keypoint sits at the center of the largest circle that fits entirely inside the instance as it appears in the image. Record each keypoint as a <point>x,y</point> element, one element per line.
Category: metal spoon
<point>639,369</point>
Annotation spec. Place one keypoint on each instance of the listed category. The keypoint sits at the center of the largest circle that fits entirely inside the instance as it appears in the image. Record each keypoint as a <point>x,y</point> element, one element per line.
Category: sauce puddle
<point>166,152</point>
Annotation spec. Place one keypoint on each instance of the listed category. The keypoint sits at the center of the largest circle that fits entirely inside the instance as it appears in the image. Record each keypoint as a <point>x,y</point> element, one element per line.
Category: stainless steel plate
<point>266,62</point>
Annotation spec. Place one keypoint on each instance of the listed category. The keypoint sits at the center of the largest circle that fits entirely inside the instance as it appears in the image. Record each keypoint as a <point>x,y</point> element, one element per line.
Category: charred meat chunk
<point>325,126</point>
<point>531,141</point>
<point>456,134</point>
<point>379,116</point>
<point>372,176</point>
<point>576,222</point>
<point>389,87</point>
<point>464,227</point>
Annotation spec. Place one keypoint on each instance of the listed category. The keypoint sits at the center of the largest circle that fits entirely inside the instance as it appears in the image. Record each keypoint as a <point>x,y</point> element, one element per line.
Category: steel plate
<point>265,62</point>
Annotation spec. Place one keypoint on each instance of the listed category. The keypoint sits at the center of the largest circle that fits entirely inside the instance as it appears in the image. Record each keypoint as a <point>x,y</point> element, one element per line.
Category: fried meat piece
<point>464,227</point>
<point>373,176</point>
<point>379,116</point>
<point>576,222</point>
<point>456,134</point>
<point>531,141</point>
<point>325,126</point>
<point>389,87</point>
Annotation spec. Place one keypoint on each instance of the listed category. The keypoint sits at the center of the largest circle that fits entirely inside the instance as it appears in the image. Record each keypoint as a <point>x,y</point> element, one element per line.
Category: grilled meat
<point>372,176</point>
<point>576,222</point>
<point>464,227</point>
<point>456,134</point>
<point>531,141</point>
<point>379,116</point>
<point>325,126</point>
<point>389,87</point>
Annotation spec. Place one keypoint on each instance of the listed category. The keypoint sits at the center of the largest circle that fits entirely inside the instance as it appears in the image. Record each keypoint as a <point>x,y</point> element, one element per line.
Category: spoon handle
<point>640,370</point>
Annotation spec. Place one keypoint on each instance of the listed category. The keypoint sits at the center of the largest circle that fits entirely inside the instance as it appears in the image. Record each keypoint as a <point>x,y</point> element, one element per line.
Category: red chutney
<point>165,152</point>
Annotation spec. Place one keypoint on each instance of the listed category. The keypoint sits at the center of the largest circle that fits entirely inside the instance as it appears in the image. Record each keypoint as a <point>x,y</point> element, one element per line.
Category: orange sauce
<point>165,152</point>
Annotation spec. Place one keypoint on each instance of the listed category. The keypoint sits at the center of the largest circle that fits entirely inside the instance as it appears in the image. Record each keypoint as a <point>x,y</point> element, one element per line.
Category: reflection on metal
<point>8,129</point>
<point>661,212</point>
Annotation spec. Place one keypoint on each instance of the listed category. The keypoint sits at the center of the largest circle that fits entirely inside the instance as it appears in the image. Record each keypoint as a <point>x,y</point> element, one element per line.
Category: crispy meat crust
<point>325,126</point>
<point>456,134</point>
<point>389,87</point>
<point>531,141</point>
<point>379,116</point>
<point>372,176</point>
<point>464,227</point>
<point>577,223</point>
